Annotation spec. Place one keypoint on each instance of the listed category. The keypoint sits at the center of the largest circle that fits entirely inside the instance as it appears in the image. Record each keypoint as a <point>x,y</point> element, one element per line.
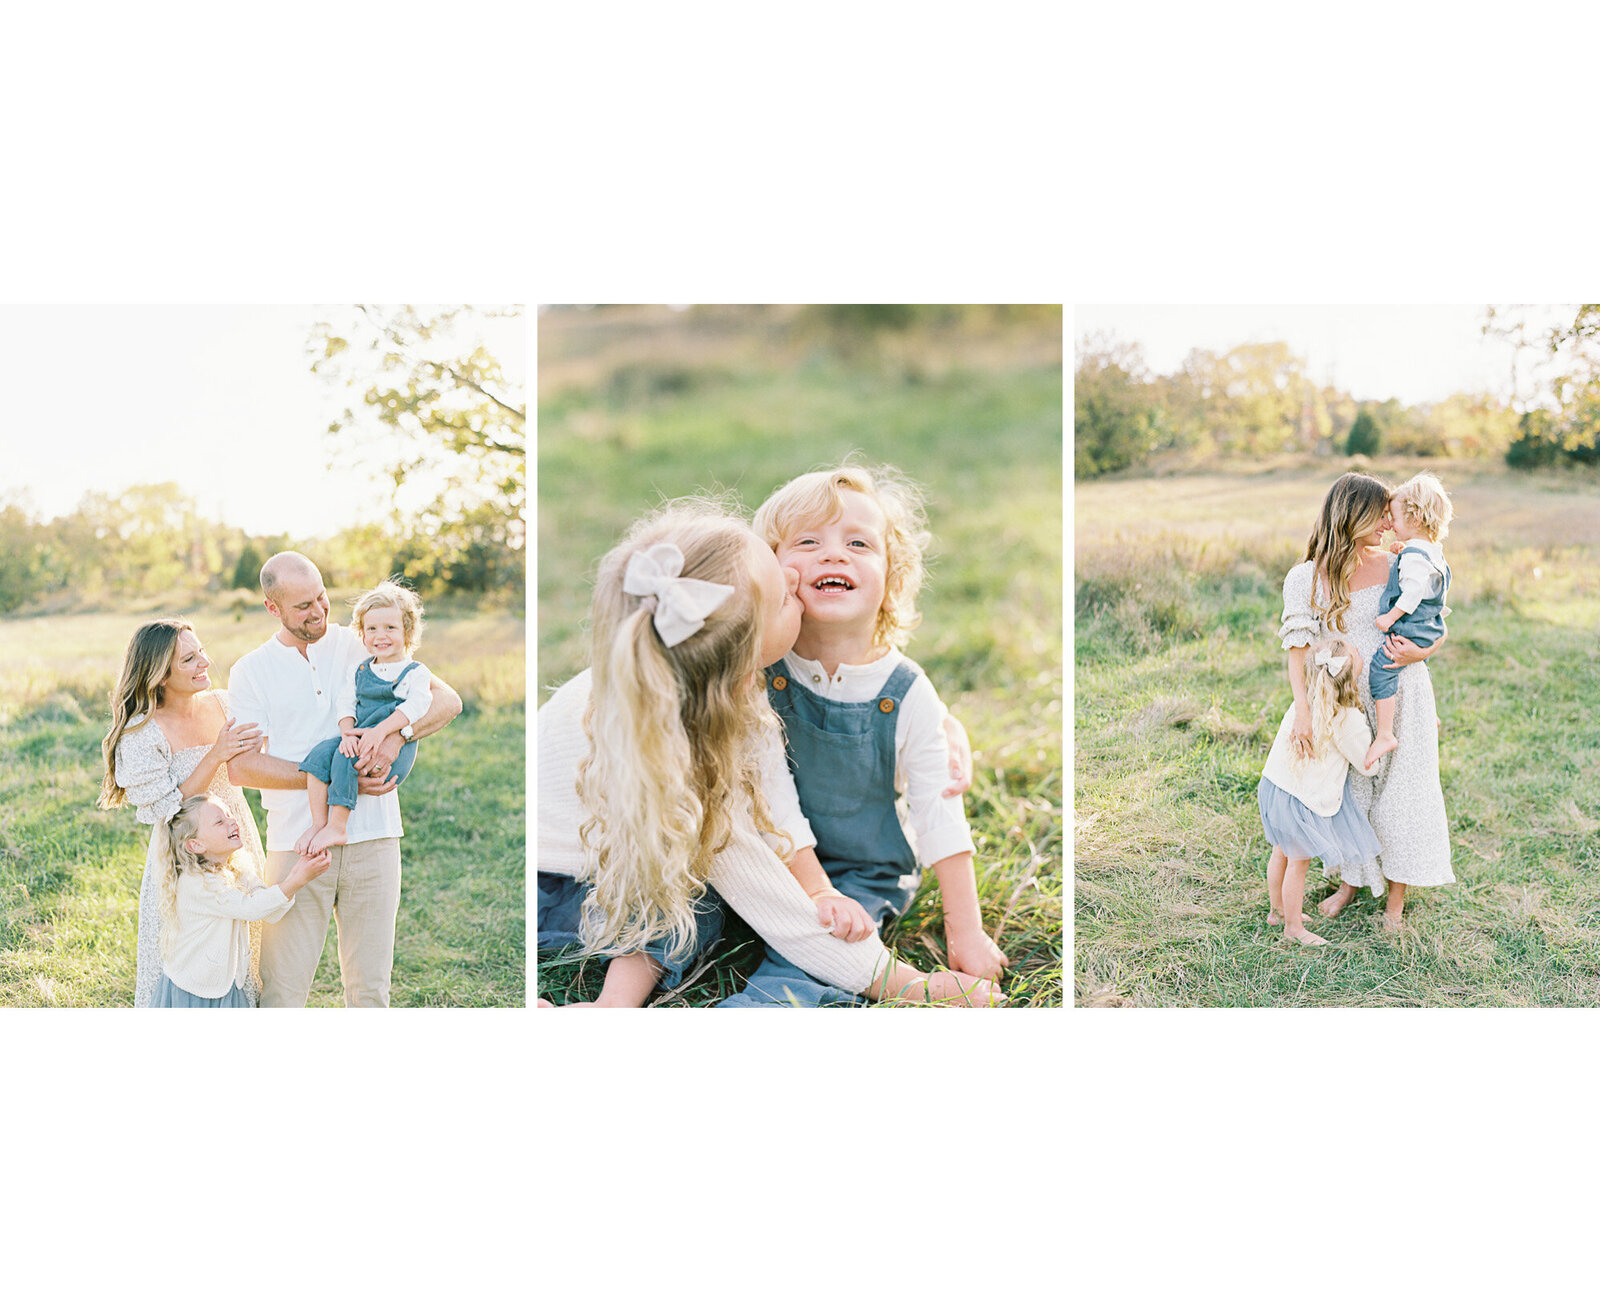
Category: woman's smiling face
<point>1374,537</point>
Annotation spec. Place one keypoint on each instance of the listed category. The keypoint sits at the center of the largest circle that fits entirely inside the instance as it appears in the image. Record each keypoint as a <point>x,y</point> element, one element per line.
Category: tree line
<point>1257,400</point>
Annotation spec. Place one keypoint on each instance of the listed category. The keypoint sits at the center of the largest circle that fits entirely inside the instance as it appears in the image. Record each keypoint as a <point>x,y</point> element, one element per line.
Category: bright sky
<point>1415,353</point>
<point>218,399</point>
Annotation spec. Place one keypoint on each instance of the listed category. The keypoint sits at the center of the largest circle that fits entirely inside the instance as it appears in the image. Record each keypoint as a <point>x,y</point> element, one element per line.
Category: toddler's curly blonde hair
<point>814,499</point>
<point>1426,504</point>
<point>392,592</point>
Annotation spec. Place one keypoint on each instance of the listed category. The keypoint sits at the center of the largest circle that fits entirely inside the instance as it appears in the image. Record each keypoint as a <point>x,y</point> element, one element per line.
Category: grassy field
<point>1180,684</point>
<point>636,406</point>
<point>69,873</point>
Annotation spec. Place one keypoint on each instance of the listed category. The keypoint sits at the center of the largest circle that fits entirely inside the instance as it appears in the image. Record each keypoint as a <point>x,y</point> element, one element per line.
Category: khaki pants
<point>361,891</point>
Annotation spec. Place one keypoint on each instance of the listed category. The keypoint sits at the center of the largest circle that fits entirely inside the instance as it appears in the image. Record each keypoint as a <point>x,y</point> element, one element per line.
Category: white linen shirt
<point>212,948</point>
<point>935,825</point>
<point>293,699</point>
<point>415,698</point>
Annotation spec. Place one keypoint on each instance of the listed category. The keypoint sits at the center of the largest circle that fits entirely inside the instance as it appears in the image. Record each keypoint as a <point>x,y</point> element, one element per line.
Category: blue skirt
<point>171,997</point>
<point>1343,838</point>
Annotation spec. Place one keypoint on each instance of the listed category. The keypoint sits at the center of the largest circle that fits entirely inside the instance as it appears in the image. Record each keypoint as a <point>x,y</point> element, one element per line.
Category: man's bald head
<point>284,567</point>
<point>295,596</point>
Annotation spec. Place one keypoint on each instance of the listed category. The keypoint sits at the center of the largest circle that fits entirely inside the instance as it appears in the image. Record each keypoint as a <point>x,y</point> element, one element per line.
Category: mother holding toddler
<point>1338,588</point>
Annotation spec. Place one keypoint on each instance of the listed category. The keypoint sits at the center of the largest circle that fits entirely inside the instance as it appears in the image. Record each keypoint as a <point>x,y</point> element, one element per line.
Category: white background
<point>1256,154</point>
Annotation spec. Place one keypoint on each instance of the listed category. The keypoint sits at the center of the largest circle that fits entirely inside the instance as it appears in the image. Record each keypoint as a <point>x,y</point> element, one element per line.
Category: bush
<point>1364,436</point>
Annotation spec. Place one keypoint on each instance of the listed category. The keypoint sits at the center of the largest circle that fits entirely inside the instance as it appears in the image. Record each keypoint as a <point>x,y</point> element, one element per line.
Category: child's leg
<point>317,792</point>
<point>1277,863</point>
<point>1394,907</point>
<point>1385,741</point>
<point>332,832</point>
<point>341,799</point>
<point>629,982</point>
<point>1294,895</point>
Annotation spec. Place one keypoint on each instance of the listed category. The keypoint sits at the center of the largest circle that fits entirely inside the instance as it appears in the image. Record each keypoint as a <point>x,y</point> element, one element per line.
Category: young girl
<point>1306,806</point>
<point>387,693</point>
<point>661,776</point>
<point>864,725</point>
<point>207,907</point>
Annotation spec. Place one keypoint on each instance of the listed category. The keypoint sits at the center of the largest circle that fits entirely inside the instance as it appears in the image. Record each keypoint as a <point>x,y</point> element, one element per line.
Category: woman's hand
<point>1300,733</point>
<point>844,917</point>
<point>960,757</point>
<point>237,739</point>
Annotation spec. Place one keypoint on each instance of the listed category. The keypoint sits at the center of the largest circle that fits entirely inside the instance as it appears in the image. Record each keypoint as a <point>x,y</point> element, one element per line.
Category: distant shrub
<point>1364,437</point>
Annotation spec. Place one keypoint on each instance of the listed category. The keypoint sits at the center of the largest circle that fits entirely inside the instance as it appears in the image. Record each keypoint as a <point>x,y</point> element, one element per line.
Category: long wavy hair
<point>146,665</point>
<point>1352,508</point>
<point>814,499</point>
<point>174,860</point>
<point>1329,694</point>
<point>674,734</point>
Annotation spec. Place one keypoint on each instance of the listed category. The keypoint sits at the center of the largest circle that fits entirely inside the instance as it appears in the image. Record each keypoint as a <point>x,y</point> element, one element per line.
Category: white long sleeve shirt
<point>293,699</point>
<point>212,950</point>
<point>1421,576</point>
<point>935,825</point>
<point>1319,783</point>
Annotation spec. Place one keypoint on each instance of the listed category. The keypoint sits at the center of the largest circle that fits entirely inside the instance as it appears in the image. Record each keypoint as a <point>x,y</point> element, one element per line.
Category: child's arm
<point>368,740</point>
<point>971,950</point>
<point>446,706</point>
<point>269,903</point>
<point>843,916</point>
<point>1300,734</point>
<point>1354,740</point>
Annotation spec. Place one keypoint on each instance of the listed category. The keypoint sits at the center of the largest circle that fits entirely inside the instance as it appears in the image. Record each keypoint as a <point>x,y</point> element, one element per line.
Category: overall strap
<point>899,683</point>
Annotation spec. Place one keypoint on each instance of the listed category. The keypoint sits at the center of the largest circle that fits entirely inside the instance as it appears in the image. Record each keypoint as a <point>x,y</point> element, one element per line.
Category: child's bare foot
<point>1392,922</point>
<point>953,988</point>
<point>1305,937</point>
<point>1275,919</point>
<point>332,835</point>
<point>1382,745</point>
<point>302,844</point>
<point>548,1005</point>
<point>1336,901</point>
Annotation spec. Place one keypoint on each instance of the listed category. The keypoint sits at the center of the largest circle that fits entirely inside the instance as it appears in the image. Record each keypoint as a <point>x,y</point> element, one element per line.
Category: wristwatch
<point>406,732</point>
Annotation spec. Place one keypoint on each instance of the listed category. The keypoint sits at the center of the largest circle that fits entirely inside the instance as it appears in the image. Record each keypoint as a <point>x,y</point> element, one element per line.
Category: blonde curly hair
<point>392,592</point>
<point>1329,694</point>
<point>174,860</point>
<point>674,733</point>
<point>813,499</point>
<point>1426,504</point>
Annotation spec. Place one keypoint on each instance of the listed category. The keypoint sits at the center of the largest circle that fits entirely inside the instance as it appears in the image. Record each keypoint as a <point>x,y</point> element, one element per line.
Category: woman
<point>171,738</point>
<point>1338,587</point>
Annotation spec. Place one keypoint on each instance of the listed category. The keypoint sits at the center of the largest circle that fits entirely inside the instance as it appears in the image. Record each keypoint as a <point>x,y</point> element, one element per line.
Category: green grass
<point>69,872</point>
<point>1180,684</point>
<point>978,424</point>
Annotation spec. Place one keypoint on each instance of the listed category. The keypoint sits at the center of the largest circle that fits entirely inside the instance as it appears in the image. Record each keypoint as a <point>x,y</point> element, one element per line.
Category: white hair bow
<point>682,604</point>
<point>1332,663</point>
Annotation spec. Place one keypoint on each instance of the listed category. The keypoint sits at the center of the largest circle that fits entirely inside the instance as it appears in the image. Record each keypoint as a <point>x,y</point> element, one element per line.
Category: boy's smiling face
<point>1404,529</point>
<point>842,565</point>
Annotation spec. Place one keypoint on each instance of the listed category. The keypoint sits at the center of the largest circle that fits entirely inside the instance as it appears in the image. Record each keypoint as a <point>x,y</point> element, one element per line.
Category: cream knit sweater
<point>747,873</point>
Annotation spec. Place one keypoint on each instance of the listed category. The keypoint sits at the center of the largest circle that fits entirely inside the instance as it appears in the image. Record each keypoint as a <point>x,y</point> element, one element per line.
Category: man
<point>287,685</point>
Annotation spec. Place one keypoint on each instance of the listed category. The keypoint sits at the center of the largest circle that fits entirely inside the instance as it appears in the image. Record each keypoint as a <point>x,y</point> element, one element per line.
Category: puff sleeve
<point>1301,624</point>
<point>144,772</point>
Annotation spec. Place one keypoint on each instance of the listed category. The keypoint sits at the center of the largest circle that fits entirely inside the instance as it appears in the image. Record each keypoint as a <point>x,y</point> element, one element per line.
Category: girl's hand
<point>977,954</point>
<point>844,917</point>
<point>1300,734</point>
<point>960,757</point>
<point>311,866</point>
<point>237,739</point>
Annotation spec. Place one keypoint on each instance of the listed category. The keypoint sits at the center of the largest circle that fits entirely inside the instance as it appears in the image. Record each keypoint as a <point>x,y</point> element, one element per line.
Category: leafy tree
<point>438,412</point>
<point>1364,436</point>
<point>1117,416</point>
<point>247,570</point>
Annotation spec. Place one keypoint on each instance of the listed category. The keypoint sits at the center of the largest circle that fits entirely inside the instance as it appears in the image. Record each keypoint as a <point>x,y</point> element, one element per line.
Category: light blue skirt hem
<point>169,996</point>
<point>1343,838</point>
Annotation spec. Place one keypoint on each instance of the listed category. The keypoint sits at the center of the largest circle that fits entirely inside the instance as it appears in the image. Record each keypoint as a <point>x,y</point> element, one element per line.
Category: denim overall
<point>375,702</point>
<point>1424,625</point>
<point>843,759</point>
<point>560,913</point>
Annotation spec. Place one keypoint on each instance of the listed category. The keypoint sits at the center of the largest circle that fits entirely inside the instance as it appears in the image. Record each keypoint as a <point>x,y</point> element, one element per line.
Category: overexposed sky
<point>218,399</point>
<point>1415,353</point>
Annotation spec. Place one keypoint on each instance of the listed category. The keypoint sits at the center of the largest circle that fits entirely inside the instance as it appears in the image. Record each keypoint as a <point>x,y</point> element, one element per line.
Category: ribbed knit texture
<point>747,874</point>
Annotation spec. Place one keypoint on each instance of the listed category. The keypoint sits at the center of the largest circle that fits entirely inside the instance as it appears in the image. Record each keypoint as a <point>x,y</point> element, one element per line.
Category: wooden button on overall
<point>779,682</point>
<point>886,705</point>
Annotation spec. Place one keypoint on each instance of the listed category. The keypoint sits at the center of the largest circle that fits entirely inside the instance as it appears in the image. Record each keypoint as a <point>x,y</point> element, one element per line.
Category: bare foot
<point>953,988</point>
<point>1275,919</point>
<point>1332,904</point>
<point>302,845</point>
<point>1392,923</point>
<point>548,1005</point>
<point>332,835</point>
<point>1382,745</point>
<point>1305,937</point>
